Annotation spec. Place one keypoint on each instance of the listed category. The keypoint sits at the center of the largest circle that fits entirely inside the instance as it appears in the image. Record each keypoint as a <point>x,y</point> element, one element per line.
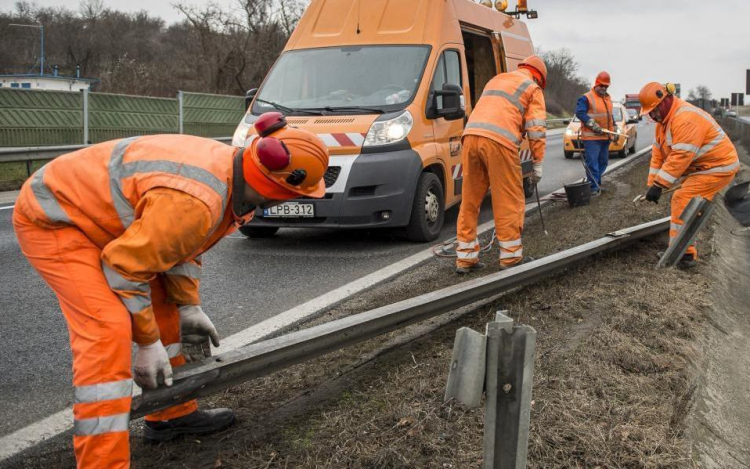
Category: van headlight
<point>240,134</point>
<point>390,131</point>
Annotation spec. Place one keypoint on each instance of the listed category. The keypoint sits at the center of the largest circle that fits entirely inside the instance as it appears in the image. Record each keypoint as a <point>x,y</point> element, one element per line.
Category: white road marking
<point>57,423</point>
<point>7,208</point>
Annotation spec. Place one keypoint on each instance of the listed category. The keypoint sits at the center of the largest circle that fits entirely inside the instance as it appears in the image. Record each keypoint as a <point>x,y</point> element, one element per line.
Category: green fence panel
<point>114,116</point>
<point>33,118</point>
<point>211,115</point>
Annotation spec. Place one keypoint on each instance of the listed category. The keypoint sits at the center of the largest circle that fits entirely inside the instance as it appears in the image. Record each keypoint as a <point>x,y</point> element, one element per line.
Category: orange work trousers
<point>100,338</point>
<point>489,165</point>
<point>694,185</point>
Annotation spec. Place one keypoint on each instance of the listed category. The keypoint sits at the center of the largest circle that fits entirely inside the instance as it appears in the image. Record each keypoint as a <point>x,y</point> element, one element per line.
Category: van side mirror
<point>452,106</point>
<point>566,121</point>
<point>249,96</point>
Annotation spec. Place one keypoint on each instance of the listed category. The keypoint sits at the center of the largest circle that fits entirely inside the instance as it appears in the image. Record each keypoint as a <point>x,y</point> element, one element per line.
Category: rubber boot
<point>200,422</point>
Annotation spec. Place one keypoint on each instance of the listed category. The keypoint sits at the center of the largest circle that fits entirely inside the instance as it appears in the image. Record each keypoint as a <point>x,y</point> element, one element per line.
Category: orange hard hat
<point>285,162</point>
<point>651,95</point>
<point>533,62</point>
<point>603,79</point>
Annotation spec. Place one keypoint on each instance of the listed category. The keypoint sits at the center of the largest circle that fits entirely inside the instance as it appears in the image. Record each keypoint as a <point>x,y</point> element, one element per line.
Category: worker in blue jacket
<point>594,110</point>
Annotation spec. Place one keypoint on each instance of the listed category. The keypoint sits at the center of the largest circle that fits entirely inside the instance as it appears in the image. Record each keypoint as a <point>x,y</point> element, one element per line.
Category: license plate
<point>290,210</point>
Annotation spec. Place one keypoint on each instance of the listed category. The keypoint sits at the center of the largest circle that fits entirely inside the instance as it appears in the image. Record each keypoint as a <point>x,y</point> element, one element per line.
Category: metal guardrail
<point>28,154</point>
<point>232,368</point>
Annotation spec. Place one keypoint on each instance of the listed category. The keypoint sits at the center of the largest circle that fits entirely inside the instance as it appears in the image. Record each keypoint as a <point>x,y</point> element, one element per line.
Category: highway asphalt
<point>245,282</point>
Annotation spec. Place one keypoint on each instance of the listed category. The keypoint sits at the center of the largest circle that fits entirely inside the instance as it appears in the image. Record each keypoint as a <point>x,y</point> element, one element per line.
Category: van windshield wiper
<point>353,108</point>
<point>289,110</point>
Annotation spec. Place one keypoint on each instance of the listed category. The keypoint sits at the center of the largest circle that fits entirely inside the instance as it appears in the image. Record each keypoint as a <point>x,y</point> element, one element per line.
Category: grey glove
<point>594,126</point>
<point>152,366</point>
<point>195,330</point>
<point>537,173</point>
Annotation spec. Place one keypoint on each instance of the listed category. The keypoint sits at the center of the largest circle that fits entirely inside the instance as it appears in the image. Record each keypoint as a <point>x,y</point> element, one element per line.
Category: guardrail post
<point>85,100</point>
<point>181,116</point>
<point>510,372</point>
<point>502,363</point>
<point>694,218</point>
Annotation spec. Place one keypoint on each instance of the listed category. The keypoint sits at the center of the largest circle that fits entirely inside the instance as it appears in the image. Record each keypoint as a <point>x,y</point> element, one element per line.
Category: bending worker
<point>691,150</point>
<point>117,230</point>
<point>594,110</point>
<point>511,105</point>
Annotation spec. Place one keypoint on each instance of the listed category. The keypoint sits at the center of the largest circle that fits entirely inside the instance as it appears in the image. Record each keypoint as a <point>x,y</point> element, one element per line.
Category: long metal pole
<point>85,116</point>
<point>229,369</point>
<point>41,62</point>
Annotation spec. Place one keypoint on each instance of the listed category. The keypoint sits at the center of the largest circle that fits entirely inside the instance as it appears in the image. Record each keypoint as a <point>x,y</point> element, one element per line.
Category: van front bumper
<point>366,190</point>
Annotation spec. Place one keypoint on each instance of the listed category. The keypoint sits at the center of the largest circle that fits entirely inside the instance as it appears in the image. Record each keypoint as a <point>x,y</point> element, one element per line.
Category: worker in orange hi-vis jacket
<point>511,106</point>
<point>117,230</point>
<point>691,150</point>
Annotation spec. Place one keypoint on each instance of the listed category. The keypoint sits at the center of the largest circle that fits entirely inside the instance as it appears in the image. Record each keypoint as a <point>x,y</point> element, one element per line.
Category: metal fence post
<point>181,116</point>
<point>85,116</point>
<point>510,373</point>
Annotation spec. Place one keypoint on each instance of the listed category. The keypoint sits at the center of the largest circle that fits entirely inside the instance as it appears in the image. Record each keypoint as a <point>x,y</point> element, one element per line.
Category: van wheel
<point>568,154</point>
<point>258,231</point>
<point>427,211</point>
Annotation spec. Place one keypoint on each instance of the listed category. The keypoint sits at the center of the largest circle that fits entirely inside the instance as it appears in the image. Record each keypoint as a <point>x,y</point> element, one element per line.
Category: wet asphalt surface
<point>244,282</point>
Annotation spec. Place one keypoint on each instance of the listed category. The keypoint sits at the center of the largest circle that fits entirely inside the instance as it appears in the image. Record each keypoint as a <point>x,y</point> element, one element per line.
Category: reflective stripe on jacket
<point>690,142</point>
<point>600,109</point>
<point>107,188</point>
<point>511,105</point>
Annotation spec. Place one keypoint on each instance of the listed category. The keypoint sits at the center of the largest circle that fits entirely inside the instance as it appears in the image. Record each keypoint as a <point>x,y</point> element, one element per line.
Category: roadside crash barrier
<point>262,358</point>
<point>500,364</point>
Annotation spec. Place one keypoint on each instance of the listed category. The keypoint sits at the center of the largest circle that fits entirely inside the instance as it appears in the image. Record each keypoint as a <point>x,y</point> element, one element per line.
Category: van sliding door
<point>481,61</point>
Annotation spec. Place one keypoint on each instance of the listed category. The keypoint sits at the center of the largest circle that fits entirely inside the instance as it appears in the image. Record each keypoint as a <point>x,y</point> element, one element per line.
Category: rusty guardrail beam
<point>232,368</point>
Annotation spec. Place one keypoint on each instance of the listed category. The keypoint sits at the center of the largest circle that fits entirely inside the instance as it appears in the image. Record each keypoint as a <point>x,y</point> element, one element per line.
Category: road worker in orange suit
<point>594,110</point>
<point>511,106</point>
<point>117,230</point>
<point>691,151</point>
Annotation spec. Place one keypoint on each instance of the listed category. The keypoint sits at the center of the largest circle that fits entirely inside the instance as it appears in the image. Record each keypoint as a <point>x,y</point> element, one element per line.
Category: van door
<point>447,134</point>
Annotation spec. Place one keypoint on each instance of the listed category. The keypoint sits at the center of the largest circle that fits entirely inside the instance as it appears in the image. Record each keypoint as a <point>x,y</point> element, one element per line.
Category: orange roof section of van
<point>336,23</point>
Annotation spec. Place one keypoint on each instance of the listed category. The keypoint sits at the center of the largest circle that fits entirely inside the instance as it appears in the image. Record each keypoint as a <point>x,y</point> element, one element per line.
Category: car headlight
<point>390,131</point>
<point>570,132</point>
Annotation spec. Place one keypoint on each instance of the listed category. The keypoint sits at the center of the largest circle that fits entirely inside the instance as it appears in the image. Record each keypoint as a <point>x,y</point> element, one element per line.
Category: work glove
<point>537,173</point>
<point>196,329</point>
<point>152,366</point>
<point>594,126</point>
<point>653,194</point>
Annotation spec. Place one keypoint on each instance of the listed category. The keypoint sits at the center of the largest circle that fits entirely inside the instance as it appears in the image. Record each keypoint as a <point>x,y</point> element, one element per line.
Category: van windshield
<point>343,79</point>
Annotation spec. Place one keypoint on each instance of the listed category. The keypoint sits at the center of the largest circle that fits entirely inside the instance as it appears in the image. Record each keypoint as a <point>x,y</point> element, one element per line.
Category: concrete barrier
<point>737,129</point>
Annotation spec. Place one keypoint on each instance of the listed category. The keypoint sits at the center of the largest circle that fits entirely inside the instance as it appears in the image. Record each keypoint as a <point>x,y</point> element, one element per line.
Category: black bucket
<point>579,194</point>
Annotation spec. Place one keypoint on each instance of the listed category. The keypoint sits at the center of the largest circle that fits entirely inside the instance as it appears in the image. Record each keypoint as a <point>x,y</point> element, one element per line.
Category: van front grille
<point>331,175</point>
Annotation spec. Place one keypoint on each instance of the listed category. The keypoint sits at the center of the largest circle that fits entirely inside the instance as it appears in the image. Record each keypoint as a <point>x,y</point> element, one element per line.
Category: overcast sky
<point>689,42</point>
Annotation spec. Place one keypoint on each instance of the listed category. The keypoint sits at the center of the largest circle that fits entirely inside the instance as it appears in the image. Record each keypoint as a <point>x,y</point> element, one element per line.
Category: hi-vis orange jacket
<point>152,204</point>
<point>512,104</point>
<point>600,109</point>
<point>690,142</point>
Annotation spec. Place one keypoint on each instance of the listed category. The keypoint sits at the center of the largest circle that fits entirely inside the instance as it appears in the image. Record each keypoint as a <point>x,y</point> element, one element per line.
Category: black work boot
<point>469,269</point>
<point>524,260</point>
<point>687,262</point>
<point>200,422</point>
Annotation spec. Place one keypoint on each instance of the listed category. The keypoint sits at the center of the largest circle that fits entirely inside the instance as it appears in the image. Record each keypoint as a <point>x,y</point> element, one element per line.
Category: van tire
<point>259,231</point>
<point>635,144</point>
<point>428,210</point>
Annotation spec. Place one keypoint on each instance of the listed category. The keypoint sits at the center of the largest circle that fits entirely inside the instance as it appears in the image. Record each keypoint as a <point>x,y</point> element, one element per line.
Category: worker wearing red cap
<point>594,110</point>
<point>691,151</point>
<point>117,230</point>
<point>511,107</point>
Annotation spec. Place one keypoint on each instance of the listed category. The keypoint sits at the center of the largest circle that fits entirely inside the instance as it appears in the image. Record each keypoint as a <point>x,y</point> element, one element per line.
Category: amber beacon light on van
<point>521,8</point>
